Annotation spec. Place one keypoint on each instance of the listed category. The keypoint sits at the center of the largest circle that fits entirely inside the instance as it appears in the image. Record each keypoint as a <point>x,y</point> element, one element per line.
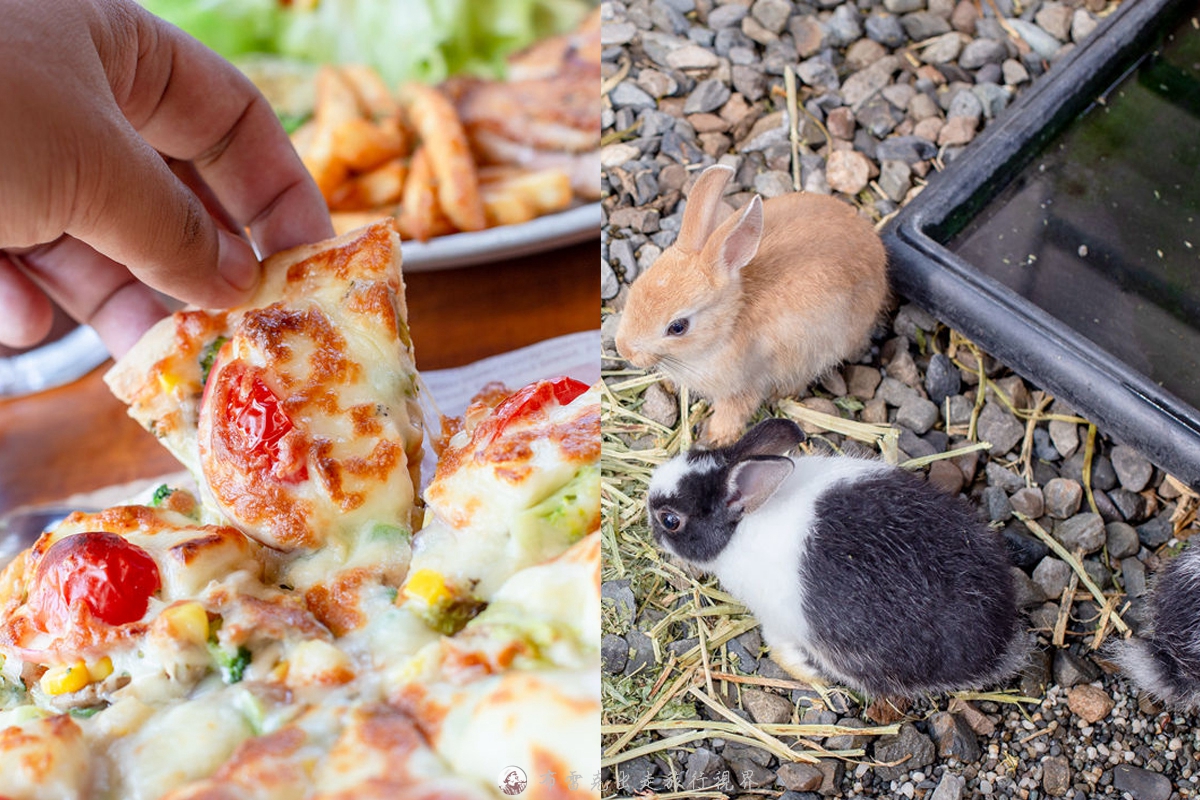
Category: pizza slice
<point>297,412</point>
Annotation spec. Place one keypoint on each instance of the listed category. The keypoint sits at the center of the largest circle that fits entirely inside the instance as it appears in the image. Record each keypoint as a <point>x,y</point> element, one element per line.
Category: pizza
<point>304,621</point>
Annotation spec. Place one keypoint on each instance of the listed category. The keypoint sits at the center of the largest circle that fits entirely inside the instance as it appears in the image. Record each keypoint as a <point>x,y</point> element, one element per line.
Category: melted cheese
<point>177,744</point>
<point>543,721</point>
<point>483,485</point>
<point>543,616</point>
<point>214,569</point>
<point>43,759</point>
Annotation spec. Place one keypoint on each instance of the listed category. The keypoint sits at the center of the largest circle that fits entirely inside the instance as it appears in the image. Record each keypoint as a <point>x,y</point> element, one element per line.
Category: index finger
<point>189,103</point>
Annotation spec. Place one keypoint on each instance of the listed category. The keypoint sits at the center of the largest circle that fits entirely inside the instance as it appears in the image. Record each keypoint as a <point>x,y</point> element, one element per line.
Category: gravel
<point>891,90</point>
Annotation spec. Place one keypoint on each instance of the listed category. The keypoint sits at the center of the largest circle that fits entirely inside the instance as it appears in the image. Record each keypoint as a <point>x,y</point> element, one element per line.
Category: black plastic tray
<point>1122,402</point>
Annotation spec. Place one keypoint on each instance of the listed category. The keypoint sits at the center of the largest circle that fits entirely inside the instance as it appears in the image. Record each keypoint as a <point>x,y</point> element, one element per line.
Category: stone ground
<point>892,90</point>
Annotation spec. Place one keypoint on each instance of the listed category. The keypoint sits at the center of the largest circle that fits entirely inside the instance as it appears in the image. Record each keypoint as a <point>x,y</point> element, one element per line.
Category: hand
<point>102,108</point>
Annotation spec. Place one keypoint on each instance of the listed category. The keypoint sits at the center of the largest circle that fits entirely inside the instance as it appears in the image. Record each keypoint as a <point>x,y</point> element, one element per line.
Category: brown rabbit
<point>758,306</point>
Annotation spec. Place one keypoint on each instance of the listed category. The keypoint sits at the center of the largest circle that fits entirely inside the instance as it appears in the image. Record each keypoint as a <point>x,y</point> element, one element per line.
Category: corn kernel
<point>65,678</point>
<point>427,585</point>
<point>167,381</point>
<point>100,670</point>
<point>187,622</point>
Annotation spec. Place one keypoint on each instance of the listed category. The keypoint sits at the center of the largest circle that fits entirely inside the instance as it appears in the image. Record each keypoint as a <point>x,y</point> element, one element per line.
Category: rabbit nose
<point>633,355</point>
<point>624,348</point>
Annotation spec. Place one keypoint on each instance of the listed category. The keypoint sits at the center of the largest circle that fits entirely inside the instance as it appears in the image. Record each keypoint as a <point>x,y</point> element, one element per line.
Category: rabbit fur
<point>1165,660</point>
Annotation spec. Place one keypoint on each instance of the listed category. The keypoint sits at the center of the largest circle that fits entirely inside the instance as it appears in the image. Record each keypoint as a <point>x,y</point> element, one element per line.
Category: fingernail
<point>236,261</point>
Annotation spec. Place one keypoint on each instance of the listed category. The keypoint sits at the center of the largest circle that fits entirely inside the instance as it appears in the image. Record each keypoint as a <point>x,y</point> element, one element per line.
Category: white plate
<point>507,241</point>
<point>61,361</point>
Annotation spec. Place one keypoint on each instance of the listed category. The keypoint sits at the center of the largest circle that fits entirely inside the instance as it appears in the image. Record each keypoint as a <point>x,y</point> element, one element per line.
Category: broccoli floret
<point>232,663</point>
<point>160,494</point>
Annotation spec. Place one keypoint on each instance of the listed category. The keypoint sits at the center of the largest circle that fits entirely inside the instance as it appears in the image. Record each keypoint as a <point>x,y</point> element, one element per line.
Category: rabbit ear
<point>700,211</point>
<point>752,482</point>
<point>771,437</point>
<point>737,240</point>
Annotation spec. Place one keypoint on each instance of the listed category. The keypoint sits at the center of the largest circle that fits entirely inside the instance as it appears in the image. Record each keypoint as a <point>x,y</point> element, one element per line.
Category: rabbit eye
<point>670,521</point>
<point>677,327</point>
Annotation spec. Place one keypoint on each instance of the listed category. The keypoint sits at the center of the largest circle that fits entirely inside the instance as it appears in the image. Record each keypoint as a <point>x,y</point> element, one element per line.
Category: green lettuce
<point>424,40</point>
<point>233,28</point>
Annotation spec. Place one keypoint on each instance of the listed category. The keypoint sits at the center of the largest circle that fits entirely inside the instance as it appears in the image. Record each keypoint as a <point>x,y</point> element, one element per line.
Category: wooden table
<point>78,438</point>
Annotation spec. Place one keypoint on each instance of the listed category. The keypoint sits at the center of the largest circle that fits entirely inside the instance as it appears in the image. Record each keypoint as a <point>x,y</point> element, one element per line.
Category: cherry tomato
<point>113,578</point>
<point>533,398</point>
<point>253,424</point>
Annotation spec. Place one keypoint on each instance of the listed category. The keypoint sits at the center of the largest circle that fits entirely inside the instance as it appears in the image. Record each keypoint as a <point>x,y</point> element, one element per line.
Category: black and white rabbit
<point>1165,661</point>
<point>859,572</point>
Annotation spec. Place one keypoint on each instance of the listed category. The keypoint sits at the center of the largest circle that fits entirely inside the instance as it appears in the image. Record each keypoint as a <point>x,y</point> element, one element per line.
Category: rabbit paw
<point>797,664</point>
<point>728,420</point>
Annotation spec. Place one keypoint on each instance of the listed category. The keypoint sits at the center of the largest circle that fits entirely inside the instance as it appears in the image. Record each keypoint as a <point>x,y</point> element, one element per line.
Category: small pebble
<point>766,708</point>
<point>1065,436</point>
<point>1133,471</point>
<point>1056,775</point>
<point>1083,532</point>
<point>1121,540</point>
<point>1028,500</point>
<point>1062,497</point>
<point>614,653</point>
<point>910,747</point>
<point>945,476</point>
<point>942,378</point>
<point>847,171</point>
<point>917,414</point>
<point>1089,702</point>
<point>1000,428</point>
<point>1052,575</point>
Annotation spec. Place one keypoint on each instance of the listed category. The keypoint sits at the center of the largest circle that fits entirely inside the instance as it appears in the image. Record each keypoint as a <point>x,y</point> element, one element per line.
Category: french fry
<point>344,221</point>
<point>373,156</point>
<point>520,197</point>
<point>380,187</point>
<point>398,132</point>
<point>549,190</point>
<point>494,173</point>
<point>441,226</point>
<point>452,164</point>
<point>336,105</point>
<point>337,102</point>
<point>419,198</point>
<point>504,207</point>
<point>374,97</point>
<point>362,145</point>
<point>322,163</point>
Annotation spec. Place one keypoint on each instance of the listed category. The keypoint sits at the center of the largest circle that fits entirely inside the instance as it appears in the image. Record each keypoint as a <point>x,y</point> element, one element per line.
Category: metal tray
<point>1122,401</point>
